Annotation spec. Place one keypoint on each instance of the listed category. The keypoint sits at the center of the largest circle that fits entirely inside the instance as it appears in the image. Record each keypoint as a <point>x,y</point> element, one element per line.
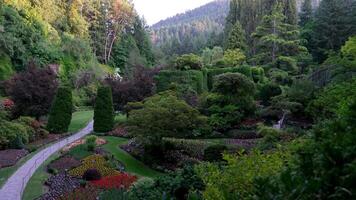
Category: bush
<point>214,153</point>
<point>13,135</point>
<point>268,91</point>
<point>258,74</point>
<point>234,57</point>
<point>104,111</point>
<point>287,64</point>
<point>91,142</point>
<point>91,175</point>
<point>193,78</point>
<point>60,115</point>
<point>234,84</point>
<point>188,62</point>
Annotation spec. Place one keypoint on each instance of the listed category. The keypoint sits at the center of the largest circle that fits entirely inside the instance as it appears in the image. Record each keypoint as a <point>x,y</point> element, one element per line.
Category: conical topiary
<point>104,110</point>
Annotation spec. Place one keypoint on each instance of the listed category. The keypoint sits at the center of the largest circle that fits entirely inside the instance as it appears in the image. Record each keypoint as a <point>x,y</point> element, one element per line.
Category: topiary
<point>61,112</point>
<point>104,110</point>
<point>214,153</point>
<point>91,175</point>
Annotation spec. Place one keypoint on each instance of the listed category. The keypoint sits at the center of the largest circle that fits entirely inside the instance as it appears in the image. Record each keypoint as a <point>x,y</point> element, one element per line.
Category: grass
<point>34,187</point>
<point>80,152</point>
<point>79,120</point>
<point>131,164</point>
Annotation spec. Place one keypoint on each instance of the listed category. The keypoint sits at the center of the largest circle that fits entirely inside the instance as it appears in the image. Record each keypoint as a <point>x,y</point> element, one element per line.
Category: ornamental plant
<point>61,112</point>
<point>94,162</point>
<point>115,182</point>
<point>104,110</point>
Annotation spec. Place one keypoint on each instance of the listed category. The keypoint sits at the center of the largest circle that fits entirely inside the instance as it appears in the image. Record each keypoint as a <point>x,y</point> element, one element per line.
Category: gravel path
<point>13,188</point>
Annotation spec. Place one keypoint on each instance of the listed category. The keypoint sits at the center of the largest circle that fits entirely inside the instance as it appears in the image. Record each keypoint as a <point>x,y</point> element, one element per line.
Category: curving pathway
<point>14,186</point>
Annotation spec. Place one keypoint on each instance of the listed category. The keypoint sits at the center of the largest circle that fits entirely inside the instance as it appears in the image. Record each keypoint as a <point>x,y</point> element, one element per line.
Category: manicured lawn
<point>132,165</point>
<point>79,120</point>
<point>34,187</point>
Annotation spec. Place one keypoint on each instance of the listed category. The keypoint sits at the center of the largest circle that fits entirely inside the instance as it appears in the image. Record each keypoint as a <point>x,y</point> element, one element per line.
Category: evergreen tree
<point>236,39</point>
<point>61,112</point>
<point>104,110</point>
<point>334,24</point>
<point>276,39</point>
<point>306,13</point>
<point>143,41</point>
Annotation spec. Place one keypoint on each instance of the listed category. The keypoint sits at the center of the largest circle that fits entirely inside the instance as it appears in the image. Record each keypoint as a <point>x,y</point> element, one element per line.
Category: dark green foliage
<point>12,135</point>
<point>234,84</point>
<point>214,153</point>
<point>6,68</point>
<point>188,62</point>
<point>193,78</point>
<point>104,111</point>
<point>268,91</point>
<point>164,115</point>
<point>60,115</point>
<point>306,14</point>
<point>258,74</point>
<point>237,38</point>
<point>91,175</point>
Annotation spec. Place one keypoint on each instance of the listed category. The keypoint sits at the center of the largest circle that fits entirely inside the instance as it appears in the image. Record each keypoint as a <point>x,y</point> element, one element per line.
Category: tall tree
<point>236,39</point>
<point>306,14</point>
<point>104,110</point>
<point>334,24</point>
<point>142,40</point>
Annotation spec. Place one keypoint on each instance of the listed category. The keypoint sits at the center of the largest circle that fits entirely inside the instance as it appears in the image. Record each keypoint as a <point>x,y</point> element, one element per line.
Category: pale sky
<point>156,10</point>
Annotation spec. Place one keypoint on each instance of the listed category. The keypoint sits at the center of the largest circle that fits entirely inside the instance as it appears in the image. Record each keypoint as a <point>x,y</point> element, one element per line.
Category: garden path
<point>14,186</point>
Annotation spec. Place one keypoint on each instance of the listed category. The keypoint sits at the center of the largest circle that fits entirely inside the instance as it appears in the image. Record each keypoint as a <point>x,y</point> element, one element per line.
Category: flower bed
<point>11,156</point>
<point>64,163</point>
<point>94,162</point>
<point>119,181</point>
<point>119,132</point>
<point>84,193</point>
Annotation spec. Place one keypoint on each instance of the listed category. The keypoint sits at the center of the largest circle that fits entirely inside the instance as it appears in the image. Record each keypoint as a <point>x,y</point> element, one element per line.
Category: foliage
<point>60,115</point>
<point>131,90</point>
<point>268,91</point>
<point>90,141</point>
<point>234,84</point>
<point>93,162</point>
<point>164,115</point>
<point>6,68</point>
<point>237,38</point>
<point>193,78</point>
<point>188,62</point>
<point>214,153</point>
<point>33,127</point>
<point>235,180</point>
<point>12,135</point>
<point>104,111</point>
<point>32,91</point>
<point>211,56</point>
<point>91,175</point>
<point>115,182</point>
<point>234,57</point>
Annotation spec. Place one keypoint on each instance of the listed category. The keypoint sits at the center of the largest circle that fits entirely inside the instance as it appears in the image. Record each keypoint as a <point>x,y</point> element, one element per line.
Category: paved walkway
<point>13,188</point>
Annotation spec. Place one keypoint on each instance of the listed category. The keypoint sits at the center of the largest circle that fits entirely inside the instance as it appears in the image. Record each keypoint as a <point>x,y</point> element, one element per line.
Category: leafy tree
<point>334,24</point>
<point>103,111</point>
<point>236,39</point>
<point>234,57</point>
<point>164,115</point>
<point>61,112</point>
<point>188,61</point>
<point>268,91</point>
<point>32,91</point>
<point>211,56</point>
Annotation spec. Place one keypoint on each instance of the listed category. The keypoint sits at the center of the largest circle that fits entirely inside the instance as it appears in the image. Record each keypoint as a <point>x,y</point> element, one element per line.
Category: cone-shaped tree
<point>61,111</point>
<point>104,110</point>
<point>236,39</point>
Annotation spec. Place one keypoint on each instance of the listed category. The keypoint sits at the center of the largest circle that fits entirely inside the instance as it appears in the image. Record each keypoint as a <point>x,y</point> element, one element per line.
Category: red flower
<point>118,181</point>
<point>8,103</point>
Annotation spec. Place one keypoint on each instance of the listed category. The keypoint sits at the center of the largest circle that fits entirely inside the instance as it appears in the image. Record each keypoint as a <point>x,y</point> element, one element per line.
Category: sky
<point>156,10</point>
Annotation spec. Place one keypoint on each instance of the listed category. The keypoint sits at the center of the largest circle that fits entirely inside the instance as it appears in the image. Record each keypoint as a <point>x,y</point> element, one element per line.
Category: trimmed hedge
<point>212,73</point>
<point>60,115</point>
<point>104,110</point>
<point>194,78</point>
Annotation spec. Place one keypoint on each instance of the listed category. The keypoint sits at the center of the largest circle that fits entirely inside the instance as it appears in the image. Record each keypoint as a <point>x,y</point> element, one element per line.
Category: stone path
<point>15,185</point>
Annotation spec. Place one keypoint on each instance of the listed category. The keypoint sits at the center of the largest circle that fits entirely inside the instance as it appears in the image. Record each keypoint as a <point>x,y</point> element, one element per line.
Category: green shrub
<point>61,111</point>
<point>234,84</point>
<point>188,62</point>
<point>258,74</point>
<point>287,64</point>
<point>104,110</point>
<point>214,153</point>
<point>12,135</point>
<point>6,68</point>
<point>193,78</point>
<point>91,142</point>
<point>268,91</point>
<point>212,73</point>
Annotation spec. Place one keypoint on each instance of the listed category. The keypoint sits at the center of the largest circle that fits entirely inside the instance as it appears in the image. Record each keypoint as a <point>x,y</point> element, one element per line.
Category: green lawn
<point>132,165</point>
<point>34,187</point>
<point>79,120</point>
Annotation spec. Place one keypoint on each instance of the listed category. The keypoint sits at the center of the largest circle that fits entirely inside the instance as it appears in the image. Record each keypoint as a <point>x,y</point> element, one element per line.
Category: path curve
<point>14,186</point>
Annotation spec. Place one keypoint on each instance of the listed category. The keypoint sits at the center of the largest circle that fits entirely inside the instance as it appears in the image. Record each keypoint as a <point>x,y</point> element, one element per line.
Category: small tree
<point>61,111</point>
<point>104,110</point>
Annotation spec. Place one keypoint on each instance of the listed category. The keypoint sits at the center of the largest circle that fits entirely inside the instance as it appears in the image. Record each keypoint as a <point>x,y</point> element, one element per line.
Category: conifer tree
<point>104,110</point>
<point>306,13</point>
<point>61,112</point>
<point>236,39</point>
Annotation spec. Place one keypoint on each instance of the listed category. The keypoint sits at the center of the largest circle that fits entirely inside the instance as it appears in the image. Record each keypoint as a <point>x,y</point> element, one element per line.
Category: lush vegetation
<point>104,110</point>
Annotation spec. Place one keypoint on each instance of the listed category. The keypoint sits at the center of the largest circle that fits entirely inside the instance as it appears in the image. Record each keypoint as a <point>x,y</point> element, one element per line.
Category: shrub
<point>287,64</point>
<point>188,62</point>
<point>91,142</point>
<point>193,78</point>
<point>60,115</point>
<point>258,74</point>
<point>234,57</point>
<point>214,153</point>
<point>91,175</point>
<point>13,135</point>
<point>104,111</point>
<point>268,91</point>
<point>234,84</point>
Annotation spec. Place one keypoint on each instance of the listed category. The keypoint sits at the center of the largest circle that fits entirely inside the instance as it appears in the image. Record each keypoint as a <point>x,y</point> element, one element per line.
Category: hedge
<point>60,115</point>
<point>193,78</point>
<point>212,73</point>
<point>104,110</point>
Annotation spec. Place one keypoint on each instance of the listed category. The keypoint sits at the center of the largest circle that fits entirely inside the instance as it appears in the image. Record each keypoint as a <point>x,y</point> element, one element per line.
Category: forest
<point>236,99</point>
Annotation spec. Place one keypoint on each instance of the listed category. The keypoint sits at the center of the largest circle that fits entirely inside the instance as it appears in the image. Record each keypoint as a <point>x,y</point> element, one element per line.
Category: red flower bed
<point>8,103</point>
<point>119,181</point>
